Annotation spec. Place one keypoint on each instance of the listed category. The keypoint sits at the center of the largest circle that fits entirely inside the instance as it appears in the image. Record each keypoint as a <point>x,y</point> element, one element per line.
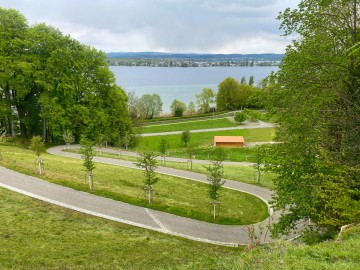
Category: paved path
<point>130,214</point>
<point>259,124</point>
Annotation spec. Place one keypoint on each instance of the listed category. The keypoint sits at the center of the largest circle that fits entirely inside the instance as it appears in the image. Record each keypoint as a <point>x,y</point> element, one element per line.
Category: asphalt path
<point>231,235</point>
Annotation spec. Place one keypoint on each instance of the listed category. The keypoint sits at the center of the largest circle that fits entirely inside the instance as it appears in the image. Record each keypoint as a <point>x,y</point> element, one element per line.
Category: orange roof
<point>238,139</point>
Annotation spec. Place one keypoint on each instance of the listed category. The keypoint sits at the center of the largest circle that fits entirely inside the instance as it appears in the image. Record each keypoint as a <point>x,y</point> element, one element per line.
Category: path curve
<point>231,235</point>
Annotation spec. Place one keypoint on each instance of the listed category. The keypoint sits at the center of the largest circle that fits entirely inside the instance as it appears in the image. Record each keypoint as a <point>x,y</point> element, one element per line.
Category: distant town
<point>154,59</point>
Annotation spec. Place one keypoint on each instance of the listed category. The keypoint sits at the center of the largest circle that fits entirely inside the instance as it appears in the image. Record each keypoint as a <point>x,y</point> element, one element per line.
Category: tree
<point>240,117</point>
<point>2,136</point>
<point>316,103</point>
<point>88,153</point>
<point>68,137</point>
<point>149,106</point>
<point>38,147</point>
<point>191,108</point>
<point>163,146</point>
<point>252,115</point>
<point>53,83</point>
<point>147,162</point>
<point>243,80</point>
<point>178,108</point>
<point>226,93</point>
<point>132,104</point>
<point>215,172</point>
<point>205,99</point>
<point>185,137</point>
<point>251,80</point>
<point>241,97</point>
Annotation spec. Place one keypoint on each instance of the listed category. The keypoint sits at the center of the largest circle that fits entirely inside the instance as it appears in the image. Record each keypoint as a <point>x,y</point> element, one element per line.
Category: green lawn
<point>189,125</point>
<point>38,235</point>
<point>203,142</point>
<point>174,195</point>
<point>244,174</point>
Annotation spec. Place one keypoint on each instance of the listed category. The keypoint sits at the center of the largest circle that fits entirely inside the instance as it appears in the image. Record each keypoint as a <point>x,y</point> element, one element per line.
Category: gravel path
<point>232,235</point>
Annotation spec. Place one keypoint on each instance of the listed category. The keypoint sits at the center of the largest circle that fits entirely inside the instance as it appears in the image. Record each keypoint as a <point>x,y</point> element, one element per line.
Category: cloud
<point>164,25</point>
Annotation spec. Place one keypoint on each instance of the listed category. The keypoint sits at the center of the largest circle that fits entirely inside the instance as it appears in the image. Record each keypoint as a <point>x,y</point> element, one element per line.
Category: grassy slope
<point>189,125</point>
<point>36,235</point>
<point>244,174</point>
<point>174,195</point>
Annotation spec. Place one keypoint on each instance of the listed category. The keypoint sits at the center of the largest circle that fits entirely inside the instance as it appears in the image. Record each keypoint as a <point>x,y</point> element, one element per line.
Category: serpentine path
<point>232,235</point>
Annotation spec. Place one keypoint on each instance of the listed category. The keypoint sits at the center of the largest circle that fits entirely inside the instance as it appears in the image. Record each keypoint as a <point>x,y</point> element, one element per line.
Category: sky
<point>180,26</point>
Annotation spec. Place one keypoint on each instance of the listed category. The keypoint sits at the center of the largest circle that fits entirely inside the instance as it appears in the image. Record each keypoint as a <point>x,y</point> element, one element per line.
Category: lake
<point>181,83</point>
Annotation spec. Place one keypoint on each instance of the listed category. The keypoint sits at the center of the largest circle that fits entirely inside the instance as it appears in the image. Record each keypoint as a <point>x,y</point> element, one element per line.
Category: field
<point>37,235</point>
<point>244,174</point>
<point>172,194</point>
<point>203,142</point>
<point>189,125</point>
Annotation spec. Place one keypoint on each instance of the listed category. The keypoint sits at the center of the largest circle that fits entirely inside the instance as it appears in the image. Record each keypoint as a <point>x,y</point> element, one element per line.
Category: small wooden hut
<point>229,141</point>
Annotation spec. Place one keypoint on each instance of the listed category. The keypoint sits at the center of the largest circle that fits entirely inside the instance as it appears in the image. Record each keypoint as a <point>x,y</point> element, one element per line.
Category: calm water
<point>181,83</point>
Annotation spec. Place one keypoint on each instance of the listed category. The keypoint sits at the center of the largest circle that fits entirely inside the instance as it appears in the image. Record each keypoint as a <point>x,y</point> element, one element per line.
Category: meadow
<point>172,194</point>
<point>38,235</point>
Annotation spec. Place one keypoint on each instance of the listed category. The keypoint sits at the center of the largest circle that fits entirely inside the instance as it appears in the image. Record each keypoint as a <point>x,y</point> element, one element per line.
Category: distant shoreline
<point>156,59</point>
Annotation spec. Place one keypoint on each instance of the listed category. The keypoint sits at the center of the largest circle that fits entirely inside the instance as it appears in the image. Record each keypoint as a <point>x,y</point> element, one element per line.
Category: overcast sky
<point>200,26</point>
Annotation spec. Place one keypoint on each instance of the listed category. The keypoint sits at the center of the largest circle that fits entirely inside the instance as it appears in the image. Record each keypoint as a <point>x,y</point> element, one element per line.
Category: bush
<point>253,115</point>
<point>240,117</point>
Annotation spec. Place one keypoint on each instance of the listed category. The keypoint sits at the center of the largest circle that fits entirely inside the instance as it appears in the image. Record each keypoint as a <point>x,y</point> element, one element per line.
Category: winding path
<point>231,235</point>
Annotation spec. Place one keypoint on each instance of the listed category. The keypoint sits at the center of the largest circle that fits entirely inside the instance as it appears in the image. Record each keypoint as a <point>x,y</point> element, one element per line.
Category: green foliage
<point>149,106</point>
<point>88,153</point>
<point>147,161</point>
<point>191,108</point>
<point>55,83</point>
<point>234,95</point>
<point>252,115</point>
<point>205,99</point>
<point>68,137</point>
<point>240,117</point>
<point>215,173</point>
<point>163,146</point>
<point>185,137</point>
<point>178,108</point>
<point>316,101</point>
<point>37,145</point>
<point>226,92</point>
<point>251,80</point>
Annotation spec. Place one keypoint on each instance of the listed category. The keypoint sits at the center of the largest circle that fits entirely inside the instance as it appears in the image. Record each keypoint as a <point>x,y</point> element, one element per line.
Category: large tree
<point>317,104</point>
<point>205,99</point>
<point>227,91</point>
<point>149,106</point>
<point>50,83</point>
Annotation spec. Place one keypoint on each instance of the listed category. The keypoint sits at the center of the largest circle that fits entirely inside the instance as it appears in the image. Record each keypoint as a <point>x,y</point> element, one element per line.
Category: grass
<point>37,235</point>
<point>172,194</point>
<point>189,125</point>
<point>203,142</point>
<point>244,174</point>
